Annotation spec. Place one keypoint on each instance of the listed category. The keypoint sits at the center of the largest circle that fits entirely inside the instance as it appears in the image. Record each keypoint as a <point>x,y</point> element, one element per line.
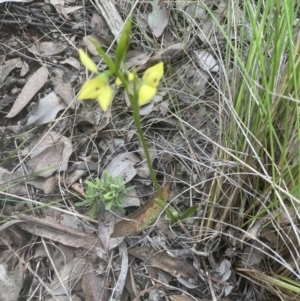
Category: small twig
<point>142,293</point>
<point>212,291</point>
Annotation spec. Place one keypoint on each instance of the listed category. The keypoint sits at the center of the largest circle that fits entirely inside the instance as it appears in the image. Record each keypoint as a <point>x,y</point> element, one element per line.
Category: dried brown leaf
<point>94,286</point>
<point>53,230</point>
<point>143,216</point>
<point>175,266</point>
<point>63,88</point>
<point>33,85</point>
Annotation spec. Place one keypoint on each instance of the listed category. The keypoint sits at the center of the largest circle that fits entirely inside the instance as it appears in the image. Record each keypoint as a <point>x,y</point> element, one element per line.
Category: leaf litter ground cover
<point>51,143</point>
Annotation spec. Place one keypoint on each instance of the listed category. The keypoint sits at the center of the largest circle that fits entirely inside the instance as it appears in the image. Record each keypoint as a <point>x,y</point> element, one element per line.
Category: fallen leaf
<point>46,110</point>
<point>98,24</point>
<point>13,182</point>
<point>33,85</point>
<point>171,53</point>
<point>206,61</point>
<point>70,273</point>
<point>47,162</point>
<point>89,45</point>
<point>107,221</point>
<point>25,69</point>
<point>94,286</point>
<point>123,166</point>
<point>64,89</point>
<point>173,265</point>
<point>136,58</point>
<point>131,199</point>
<point>51,229</point>
<point>143,216</point>
<point>45,49</point>
<point>159,17</point>
<point>10,282</point>
<point>47,185</point>
<point>9,66</point>
<point>72,62</point>
<point>44,141</point>
<point>253,254</point>
<point>223,270</point>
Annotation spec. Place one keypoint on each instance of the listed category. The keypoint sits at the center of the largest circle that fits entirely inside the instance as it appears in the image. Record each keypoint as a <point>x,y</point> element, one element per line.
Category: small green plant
<point>109,190</point>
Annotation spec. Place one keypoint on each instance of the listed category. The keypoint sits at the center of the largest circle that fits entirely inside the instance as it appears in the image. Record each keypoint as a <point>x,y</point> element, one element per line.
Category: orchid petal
<point>153,75</point>
<point>87,61</point>
<point>93,87</point>
<point>146,93</point>
<point>105,97</point>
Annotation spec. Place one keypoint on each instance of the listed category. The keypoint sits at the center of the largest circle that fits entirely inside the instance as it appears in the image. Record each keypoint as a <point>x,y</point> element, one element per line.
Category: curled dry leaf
<point>143,216</point>
<point>9,66</point>
<point>33,85</point>
<point>46,110</point>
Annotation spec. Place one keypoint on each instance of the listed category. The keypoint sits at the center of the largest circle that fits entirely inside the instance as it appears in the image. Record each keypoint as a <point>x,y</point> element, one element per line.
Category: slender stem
<point>137,121</point>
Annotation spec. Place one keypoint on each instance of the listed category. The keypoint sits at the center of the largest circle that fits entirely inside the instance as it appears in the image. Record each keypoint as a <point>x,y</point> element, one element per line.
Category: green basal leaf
<point>161,202</point>
<point>108,205</point>
<point>188,213</point>
<point>94,211</point>
<point>172,214</point>
<point>83,203</point>
<point>108,195</point>
<point>91,184</point>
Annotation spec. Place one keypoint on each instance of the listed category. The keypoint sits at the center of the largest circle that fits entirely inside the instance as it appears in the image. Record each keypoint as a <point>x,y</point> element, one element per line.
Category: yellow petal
<point>129,75</point>
<point>118,82</point>
<point>153,75</point>
<point>105,97</point>
<point>87,61</point>
<point>93,87</point>
<point>146,93</point>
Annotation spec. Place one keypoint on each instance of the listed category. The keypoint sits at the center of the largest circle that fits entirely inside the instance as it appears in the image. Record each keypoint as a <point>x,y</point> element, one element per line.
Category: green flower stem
<point>137,121</point>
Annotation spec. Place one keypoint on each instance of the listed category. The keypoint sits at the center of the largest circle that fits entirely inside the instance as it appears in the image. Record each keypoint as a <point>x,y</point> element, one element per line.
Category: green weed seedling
<point>109,190</point>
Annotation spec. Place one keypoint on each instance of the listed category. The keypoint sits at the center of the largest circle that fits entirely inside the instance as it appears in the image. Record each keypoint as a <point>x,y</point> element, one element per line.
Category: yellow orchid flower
<point>98,87</point>
<point>150,81</point>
